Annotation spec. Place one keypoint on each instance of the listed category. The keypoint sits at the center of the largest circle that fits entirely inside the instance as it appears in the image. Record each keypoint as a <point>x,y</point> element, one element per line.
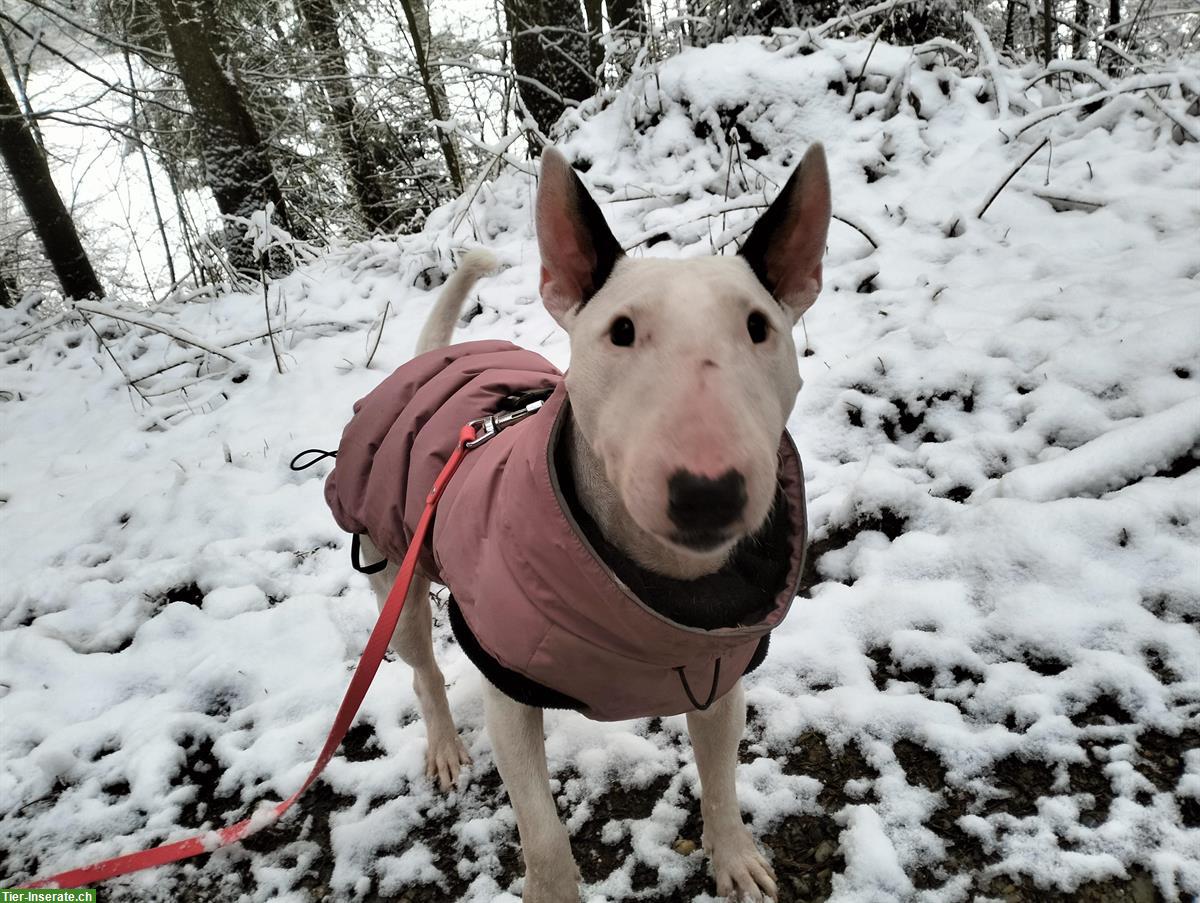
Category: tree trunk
<point>626,20</point>
<point>417,14</point>
<point>550,56</point>
<point>366,183</point>
<point>626,14</point>
<point>595,29</point>
<point>1079,41</point>
<point>1048,31</point>
<point>1009,16</point>
<point>19,81</point>
<point>53,224</point>
<point>1114,16</point>
<point>238,169</point>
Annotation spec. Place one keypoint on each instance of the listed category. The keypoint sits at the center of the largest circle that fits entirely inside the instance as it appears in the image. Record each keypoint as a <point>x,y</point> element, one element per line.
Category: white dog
<point>672,450</point>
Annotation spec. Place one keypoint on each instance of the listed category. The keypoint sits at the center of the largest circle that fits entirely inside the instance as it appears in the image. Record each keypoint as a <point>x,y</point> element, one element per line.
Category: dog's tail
<point>439,328</point>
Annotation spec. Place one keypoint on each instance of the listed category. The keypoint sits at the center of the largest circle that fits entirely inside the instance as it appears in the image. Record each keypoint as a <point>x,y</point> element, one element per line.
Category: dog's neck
<point>602,502</point>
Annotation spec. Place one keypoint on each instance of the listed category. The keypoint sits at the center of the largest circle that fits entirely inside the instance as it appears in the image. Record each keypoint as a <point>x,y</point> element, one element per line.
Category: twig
<point>49,323</point>
<point>857,228</point>
<point>119,89</point>
<point>1144,83</point>
<point>378,336</point>
<point>176,334</point>
<point>1159,14</point>
<point>1113,48</point>
<point>104,345</point>
<point>863,70</point>
<point>850,19</point>
<point>1008,178</point>
<point>139,49</point>
<point>1061,202</point>
<point>498,154</point>
<point>262,275</point>
<point>243,341</point>
<point>1089,70</point>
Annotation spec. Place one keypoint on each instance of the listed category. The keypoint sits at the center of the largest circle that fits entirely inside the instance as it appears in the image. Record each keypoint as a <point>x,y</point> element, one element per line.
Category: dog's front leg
<point>740,870</point>
<point>519,742</point>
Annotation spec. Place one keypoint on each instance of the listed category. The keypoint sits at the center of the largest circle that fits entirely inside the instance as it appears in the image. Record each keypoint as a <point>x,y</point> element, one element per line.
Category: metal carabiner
<point>489,426</point>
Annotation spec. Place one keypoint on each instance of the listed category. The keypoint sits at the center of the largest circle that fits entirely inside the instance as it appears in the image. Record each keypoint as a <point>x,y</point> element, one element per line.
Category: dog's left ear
<point>788,241</point>
<point>578,249</point>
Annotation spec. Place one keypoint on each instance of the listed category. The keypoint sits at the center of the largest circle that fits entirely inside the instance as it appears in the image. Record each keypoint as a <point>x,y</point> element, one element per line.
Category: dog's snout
<point>699,504</point>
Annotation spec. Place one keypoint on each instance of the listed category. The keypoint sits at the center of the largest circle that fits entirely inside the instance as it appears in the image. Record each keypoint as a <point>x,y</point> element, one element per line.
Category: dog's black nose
<point>703,505</point>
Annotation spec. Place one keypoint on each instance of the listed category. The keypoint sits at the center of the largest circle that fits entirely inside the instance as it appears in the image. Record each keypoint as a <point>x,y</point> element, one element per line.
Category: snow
<point>999,432</point>
<point>1112,459</point>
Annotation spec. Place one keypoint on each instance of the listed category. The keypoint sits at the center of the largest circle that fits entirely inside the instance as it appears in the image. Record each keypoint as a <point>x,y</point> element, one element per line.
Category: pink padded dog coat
<point>530,587</point>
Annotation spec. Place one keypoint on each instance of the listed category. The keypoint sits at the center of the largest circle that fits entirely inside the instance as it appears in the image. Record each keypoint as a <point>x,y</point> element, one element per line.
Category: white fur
<point>693,393</point>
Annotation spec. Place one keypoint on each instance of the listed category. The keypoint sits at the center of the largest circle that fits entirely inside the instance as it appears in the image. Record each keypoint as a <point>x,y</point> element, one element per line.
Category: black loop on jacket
<point>520,400</point>
<point>711,693</point>
<point>320,453</point>
<point>357,565</point>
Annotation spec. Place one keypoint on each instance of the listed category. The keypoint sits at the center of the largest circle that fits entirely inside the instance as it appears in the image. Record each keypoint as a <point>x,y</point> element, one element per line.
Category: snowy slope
<point>994,689</point>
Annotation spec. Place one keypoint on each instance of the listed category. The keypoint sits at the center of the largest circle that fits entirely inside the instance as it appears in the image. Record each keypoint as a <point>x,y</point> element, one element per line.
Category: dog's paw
<point>742,873</point>
<point>444,759</point>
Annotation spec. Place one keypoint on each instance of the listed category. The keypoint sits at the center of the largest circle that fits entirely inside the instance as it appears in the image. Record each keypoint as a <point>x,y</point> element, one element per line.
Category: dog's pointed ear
<point>578,249</point>
<point>788,241</point>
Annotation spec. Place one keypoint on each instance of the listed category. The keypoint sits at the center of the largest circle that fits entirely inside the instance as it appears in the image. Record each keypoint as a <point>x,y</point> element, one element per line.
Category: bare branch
<point>989,54</point>
<point>177,334</point>
<point>1008,178</point>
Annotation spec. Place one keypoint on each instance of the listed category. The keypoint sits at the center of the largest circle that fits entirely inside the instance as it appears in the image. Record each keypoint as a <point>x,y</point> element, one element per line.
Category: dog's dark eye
<point>621,332</point>
<point>756,325</point>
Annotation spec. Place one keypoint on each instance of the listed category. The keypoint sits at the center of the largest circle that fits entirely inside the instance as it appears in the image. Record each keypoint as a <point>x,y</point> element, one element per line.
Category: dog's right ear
<point>578,249</point>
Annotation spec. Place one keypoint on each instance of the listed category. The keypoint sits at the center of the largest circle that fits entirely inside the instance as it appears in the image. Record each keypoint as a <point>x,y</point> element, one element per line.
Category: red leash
<point>359,684</point>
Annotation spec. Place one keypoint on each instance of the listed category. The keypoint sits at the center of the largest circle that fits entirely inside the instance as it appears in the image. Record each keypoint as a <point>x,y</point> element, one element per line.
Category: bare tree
<point>235,157</point>
<point>1114,16</point>
<point>1048,31</point>
<point>595,31</point>
<point>1079,39</point>
<point>417,14</point>
<point>51,221</point>
<point>550,55</point>
<point>626,14</point>
<point>367,183</point>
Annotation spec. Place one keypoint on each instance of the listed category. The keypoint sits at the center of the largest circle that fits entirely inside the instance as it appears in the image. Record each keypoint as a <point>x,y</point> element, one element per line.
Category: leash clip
<point>489,426</point>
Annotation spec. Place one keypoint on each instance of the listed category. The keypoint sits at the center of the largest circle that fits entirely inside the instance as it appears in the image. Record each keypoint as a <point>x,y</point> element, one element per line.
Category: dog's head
<point>683,372</point>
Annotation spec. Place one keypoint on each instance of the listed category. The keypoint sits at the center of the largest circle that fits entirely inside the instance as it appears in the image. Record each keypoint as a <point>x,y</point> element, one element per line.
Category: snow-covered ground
<point>994,689</point>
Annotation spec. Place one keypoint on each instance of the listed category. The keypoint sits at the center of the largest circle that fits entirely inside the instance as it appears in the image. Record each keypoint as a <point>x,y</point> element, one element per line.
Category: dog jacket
<point>533,603</point>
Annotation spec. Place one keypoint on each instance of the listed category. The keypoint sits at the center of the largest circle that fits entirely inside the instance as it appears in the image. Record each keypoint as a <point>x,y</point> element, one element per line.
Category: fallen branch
<point>120,369</point>
<point>38,328</point>
<point>1144,83</point>
<point>993,62</point>
<point>941,45</point>
<point>857,228</point>
<point>1183,124</point>
<point>746,202</point>
<point>1135,448</point>
<point>1008,178</point>
<point>850,18</point>
<point>176,334</point>
<point>1061,202</point>
<point>191,357</point>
